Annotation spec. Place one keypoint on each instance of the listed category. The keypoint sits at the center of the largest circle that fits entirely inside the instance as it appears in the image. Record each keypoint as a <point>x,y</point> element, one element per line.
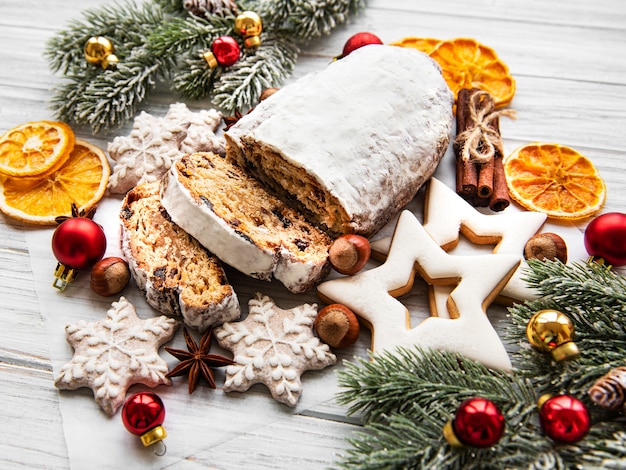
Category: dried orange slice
<point>34,148</point>
<point>466,63</point>
<point>554,179</point>
<point>426,45</point>
<point>81,180</point>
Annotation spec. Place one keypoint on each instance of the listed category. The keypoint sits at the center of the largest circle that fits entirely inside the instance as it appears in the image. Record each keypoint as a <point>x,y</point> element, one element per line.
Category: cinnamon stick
<point>485,180</point>
<point>466,171</point>
<point>481,181</point>
<point>500,198</point>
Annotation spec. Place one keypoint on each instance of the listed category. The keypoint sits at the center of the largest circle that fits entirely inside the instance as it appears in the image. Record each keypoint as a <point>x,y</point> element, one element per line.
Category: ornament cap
<point>252,41</point>
<point>210,59</point>
<point>543,399</point>
<point>448,433</point>
<point>63,275</point>
<point>110,62</point>
<point>153,436</point>
<point>566,352</point>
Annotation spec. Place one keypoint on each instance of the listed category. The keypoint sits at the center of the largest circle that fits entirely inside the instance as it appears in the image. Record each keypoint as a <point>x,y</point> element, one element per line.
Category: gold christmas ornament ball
<point>249,25</point>
<point>552,331</point>
<point>99,51</point>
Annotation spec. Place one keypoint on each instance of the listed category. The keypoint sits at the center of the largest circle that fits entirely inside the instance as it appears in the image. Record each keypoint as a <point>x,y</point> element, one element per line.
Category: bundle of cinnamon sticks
<point>478,149</point>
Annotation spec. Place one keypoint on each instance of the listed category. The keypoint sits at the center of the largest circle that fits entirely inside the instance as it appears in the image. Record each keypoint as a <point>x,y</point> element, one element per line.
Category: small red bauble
<point>79,243</point>
<point>605,237</point>
<point>143,414</point>
<point>359,40</point>
<point>563,418</point>
<point>478,423</point>
<point>226,50</point>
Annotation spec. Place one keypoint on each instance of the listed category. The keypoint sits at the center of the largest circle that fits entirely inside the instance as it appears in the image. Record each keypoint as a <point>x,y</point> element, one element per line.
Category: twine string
<point>481,139</point>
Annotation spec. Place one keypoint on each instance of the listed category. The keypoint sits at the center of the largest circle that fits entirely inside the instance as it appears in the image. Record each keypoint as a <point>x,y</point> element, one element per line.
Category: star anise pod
<point>197,361</point>
<point>230,121</point>
<point>76,212</point>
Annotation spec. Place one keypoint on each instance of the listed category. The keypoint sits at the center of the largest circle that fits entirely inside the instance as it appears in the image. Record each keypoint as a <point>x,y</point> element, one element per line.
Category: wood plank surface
<point>569,60</point>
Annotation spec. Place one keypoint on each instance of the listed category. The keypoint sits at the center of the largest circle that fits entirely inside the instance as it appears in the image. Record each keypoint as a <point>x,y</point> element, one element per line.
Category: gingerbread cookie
<point>154,143</point>
<point>112,354</point>
<point>447,216</point>
<point>463,327</point>
<point>274,347</point>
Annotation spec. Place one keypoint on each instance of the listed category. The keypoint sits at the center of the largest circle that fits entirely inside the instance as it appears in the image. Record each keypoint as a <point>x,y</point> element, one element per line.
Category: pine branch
<point>594,298</point>
<point>394,382</point>
<point>111,99</point>
<point>160,40</point>
<point>185,40</point>
<point>241,85</point>
<point>179,38</point>
<point>171,6</point>
<point>407,397</point>
<point>126,24</point>
<point>305,20</point>
<point>316,19</point>
<point>106,99</point>
<point>399,395</point>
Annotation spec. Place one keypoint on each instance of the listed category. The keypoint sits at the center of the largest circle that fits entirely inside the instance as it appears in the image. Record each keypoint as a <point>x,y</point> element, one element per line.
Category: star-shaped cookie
<point>112,354</point>
<point>447,216</point>
<point>465,328</point>
<point>274,347</point>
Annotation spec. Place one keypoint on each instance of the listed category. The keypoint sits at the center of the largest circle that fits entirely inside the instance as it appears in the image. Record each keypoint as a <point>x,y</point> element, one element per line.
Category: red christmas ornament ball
<point>142,412</point>
<point>605,237</point>
<point>79,243</point>
<point>226,50</point>
<point>478,423</point>
<point>564,419</point>
<point>359,40</point>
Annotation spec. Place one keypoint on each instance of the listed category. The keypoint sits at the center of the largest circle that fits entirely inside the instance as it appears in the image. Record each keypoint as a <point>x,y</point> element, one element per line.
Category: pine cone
<point>609,390</point>
<point>210,7</point>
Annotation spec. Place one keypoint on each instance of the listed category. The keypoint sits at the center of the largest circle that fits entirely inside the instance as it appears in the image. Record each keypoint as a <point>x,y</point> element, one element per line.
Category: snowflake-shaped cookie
<point>154,143</point>
<point>274,347</point>
<point>112,354</point>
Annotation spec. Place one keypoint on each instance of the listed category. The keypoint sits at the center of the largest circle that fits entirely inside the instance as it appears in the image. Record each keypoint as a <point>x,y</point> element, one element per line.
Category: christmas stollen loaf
<point>179,277</point>
<point>234,217</point>
<point>350,145</point>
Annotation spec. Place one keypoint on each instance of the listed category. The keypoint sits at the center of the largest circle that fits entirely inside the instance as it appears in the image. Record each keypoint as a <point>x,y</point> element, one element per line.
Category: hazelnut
<point>267,92</point>
<point>109,276</point>
<point>546,246</point>
<point>337,326</point>
<point>349,253</point>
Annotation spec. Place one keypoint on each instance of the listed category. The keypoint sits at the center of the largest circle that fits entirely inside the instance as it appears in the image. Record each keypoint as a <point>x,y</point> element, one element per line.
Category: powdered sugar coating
<point>274,347</point>
<point>194,211</point>
<point>112,354</point>
<point>447,216</point>
<point>463,327</point>
<point>179,277</point>
<point>370,129</point>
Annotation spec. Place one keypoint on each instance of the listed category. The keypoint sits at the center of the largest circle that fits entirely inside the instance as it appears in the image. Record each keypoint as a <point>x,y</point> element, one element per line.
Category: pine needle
<point>405,397</point>
<point>161,41</point>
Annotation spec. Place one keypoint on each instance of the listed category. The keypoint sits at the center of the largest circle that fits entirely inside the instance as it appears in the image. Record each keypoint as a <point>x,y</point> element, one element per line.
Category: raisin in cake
<point>232,215</point>
<point>352,144</point>
<point>178,275</point>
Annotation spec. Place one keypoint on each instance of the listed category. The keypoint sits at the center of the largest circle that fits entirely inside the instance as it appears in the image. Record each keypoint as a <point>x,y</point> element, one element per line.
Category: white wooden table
<point>569,59</point>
